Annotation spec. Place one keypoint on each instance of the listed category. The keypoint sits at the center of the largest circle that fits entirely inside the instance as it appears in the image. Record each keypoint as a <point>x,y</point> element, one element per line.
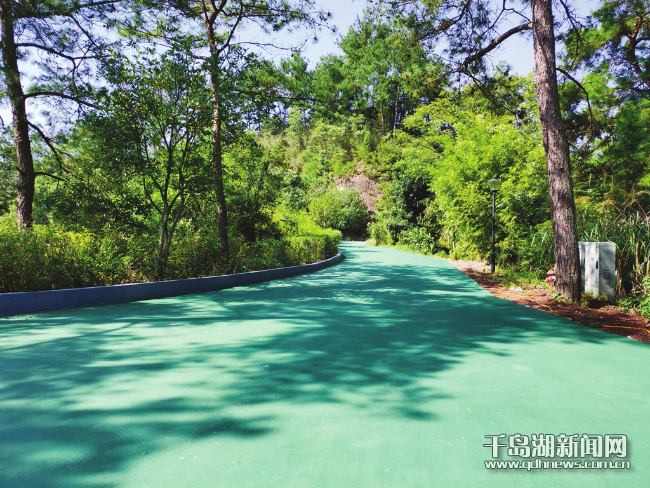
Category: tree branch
<point>591,115</point>
<point>486,93</point>
<point>43,173</point>
<point>634,61</point>
<point>470,59</point>
<point>232,31</point>
<point>216,10</point>
<point>148,194</point>
<point>27,13</point>
<point>51,51</point>
<point>49,143</point>
<point>61,95</point>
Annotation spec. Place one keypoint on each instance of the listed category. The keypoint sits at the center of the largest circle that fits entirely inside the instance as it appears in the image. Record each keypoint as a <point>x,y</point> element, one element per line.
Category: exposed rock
<point>367,188</point>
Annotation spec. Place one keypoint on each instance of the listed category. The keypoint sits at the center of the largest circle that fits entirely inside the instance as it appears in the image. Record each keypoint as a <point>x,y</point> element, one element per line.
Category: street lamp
<point>494,186</point>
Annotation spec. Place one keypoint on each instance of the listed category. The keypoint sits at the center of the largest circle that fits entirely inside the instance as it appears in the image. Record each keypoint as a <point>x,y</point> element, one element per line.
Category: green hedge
<point>46,258</point>
<point>290,251</point>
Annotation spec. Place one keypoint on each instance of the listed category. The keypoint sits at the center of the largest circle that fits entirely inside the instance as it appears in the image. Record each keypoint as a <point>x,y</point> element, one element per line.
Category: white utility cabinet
<point>598,268</point>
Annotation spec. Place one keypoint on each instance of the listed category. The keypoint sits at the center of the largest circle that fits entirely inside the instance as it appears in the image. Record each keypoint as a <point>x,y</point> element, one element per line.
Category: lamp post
<point>494,186</point>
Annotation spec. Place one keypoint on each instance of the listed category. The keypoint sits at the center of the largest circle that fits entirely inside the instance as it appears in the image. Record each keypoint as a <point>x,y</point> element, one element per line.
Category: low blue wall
<point>33,301</point>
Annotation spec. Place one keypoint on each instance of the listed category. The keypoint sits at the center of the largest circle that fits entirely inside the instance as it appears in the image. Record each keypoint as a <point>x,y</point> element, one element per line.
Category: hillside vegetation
<point>180,165</point>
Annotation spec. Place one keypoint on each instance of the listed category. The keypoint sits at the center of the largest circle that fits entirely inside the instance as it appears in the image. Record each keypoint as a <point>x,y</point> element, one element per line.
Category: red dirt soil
<point>599,314</point>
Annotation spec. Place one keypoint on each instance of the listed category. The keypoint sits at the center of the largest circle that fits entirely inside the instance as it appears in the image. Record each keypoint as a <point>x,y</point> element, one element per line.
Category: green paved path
<point>386,370</point>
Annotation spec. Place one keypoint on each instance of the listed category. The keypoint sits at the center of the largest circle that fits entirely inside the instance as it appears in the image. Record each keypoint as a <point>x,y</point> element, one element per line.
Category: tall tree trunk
<point>166,236</point>
<point>26,175</point>
<point>217,168</point>
<point>163,249</point>
<point>563,213</point>
<point>217,162</point>
<point>395,119</point>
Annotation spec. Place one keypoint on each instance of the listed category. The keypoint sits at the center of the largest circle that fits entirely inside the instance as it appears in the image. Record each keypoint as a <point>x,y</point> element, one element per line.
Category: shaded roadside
<point>598,314</point>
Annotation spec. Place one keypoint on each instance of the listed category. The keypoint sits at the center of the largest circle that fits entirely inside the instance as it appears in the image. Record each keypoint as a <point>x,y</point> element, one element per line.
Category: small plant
<point>639,303</point>
<point>559,298</point>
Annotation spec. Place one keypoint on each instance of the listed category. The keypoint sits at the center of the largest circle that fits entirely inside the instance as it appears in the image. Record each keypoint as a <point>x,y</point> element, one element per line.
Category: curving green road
<point>386,370</point>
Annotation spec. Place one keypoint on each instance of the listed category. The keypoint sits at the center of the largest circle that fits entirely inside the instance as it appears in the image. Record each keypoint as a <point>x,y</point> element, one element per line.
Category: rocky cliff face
<point>366,187</point>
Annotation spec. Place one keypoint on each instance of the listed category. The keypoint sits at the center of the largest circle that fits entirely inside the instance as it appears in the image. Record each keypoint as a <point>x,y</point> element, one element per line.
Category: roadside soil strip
<point>600,314</point>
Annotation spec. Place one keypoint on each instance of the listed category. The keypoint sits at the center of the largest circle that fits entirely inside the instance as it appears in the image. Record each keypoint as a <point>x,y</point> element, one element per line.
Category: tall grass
<point>47,258</point>
<point>630,233</point>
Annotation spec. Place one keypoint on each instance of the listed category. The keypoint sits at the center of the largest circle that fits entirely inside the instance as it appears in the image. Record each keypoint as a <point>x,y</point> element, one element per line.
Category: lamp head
<point>494,184</point>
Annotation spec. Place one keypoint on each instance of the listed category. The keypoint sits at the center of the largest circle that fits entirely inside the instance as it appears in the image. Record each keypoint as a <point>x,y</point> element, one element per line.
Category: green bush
<point>309,249</point>
<point>419,239</point>
<point>42,259</point>
<point>536,252</point>
<point>340,210</point>
<point>47,258</point>
<point>307,242</point>
<point>639,302</point>
<point>403,208</point>
<point>380,234</point>
<point>195,252</point>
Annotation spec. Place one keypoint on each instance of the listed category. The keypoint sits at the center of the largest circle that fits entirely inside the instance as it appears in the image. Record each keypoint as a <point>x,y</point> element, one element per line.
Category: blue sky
<point>517,51</point>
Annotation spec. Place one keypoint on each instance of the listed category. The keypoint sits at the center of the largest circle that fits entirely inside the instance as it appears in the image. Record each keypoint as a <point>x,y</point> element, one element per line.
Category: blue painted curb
<point>33,301</point>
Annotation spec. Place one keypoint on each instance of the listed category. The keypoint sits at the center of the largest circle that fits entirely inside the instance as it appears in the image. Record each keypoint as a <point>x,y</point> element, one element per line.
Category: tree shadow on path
<point>84,393</point>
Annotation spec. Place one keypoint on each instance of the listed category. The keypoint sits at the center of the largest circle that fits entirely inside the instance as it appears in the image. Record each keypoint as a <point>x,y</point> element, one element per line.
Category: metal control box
<point>598,268</point>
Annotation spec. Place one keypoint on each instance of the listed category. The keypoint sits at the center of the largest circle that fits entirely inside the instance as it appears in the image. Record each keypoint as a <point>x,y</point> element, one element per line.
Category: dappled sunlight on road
<point>375,357</point>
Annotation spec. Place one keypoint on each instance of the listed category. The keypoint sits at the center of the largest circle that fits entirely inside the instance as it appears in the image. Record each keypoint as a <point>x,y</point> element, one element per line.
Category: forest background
<point>165,148</point>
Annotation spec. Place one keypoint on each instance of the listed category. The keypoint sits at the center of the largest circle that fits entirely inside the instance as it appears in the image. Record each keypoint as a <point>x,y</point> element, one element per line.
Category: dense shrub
<point>482,148</point>
<point>45,258</point>
<point>405,214</point>
<point>195,252</point>
<point>536,251</point>
<point>440,186</point>
<point>340,210</point>
<point>639,302</point>
<point>420,240</point>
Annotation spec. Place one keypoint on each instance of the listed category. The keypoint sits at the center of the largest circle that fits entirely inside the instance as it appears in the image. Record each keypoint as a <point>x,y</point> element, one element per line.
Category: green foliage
<point>58,259</point>
<point>479,148</point>
<point>255,175</point>
<point>403,206</point>
<point>420,240</point>
<point>537,250</point>
<point>438,197</point>
<point>341,210</point>
<point>386,70</point>
<point>133,194</point>
<point>8,175</point>
<point>514,274</point>
<point>606,104</point>
<point>640,302</point>
<point>322,147</point>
